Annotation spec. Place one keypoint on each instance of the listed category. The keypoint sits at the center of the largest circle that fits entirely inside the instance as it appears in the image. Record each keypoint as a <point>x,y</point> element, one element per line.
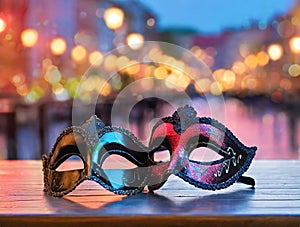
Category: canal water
<point>256,122</point>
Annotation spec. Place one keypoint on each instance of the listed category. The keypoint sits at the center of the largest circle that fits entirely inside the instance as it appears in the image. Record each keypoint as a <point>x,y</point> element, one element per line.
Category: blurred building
<point>36,34</point>
<point>45,47</point>
<point>260,59</point>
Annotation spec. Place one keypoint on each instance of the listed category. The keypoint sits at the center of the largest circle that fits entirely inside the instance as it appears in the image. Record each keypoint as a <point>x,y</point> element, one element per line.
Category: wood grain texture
<point>275,200</point>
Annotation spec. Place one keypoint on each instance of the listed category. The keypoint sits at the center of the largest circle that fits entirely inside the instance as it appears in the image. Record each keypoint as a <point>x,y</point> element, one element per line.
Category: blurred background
<point>252,49</point>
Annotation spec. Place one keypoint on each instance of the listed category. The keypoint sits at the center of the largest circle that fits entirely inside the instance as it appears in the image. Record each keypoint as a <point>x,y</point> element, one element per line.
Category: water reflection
<point>256,122</point>
<point>274,129</point>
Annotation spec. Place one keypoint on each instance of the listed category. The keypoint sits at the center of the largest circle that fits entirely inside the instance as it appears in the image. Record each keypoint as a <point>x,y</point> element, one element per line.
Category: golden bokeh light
<point>154,54</point>
<point>294,70</point>
<point>160,72</point>
<point>110,62</point>
<point>249,82</point>
<point>262,58</point>
<point>183,82</point>
<point>171,81</point>
<point>2,24</point>
<point>218,74</point>
<point>202,85</point>
<point>29,37</point>
<point>96,58</point>
<point>133,68</point>
<point>114,17</point>
<point>294,44</point>
<point>135,41</point>
<point>216,88</point>
<point>238,67</point>
<point>228,79</point>
<point>275,51</point>
<point>91,83</point>
<point>251,61</point>
<point>104,88</point>
<point>148,70</point>
<point>58,46</point>
<point>122,62</point>
<point>78,53</point>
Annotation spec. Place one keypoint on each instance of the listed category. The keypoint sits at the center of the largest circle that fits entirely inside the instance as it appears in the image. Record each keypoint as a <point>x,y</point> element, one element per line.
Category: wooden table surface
<point>274,201</point>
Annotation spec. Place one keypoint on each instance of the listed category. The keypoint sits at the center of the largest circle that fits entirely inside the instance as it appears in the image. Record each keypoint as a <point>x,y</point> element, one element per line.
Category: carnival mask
<point>180,134</point>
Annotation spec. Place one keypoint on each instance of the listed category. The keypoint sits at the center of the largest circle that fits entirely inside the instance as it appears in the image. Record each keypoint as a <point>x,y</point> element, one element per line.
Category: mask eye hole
<point>115,161</point>
<point>162,155</point>
<point>205,155</point>
<point>72,163</point>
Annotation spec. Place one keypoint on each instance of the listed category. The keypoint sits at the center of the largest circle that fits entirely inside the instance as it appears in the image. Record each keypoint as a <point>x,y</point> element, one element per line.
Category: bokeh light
<point>249,82</point>
<point>58,46</point>
<point>285,28</point>
<point>202,86</point>
<point>228,79</point>
<point>8,36</point>
<point>22,89</point>
<point>122,62</point>
<point>218,74</point>
<point>133,68</point>
<point>96,58</point>
<point>275,51</point>
<point>160,72</point>
<point>114,17</point>
<point>262,58</point>
<point>294,70</point>
<point>2,24</point>
<point>238,67</point>
<point>135,41</point>
<point>18,79</point>
<point>150,22</point>
<point>57,88</point>
<point>78,53</point>
<point>52,74</point>
<point>216,88</point>
<point>171,81</point>
<point>29,37</point>
<point>251,61</point>
<point>295,44</point>
<point>106,89</point>
<point>110,62</point>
